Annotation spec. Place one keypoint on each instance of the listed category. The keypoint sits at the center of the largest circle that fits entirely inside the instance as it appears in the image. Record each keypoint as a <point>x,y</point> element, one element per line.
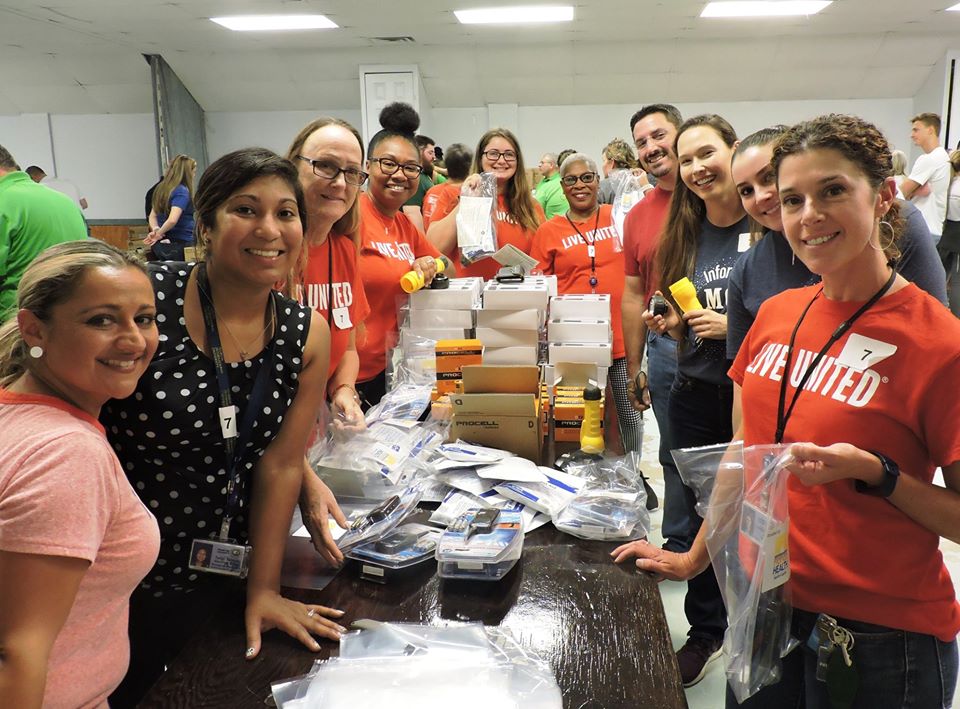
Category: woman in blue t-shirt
<point>171,213</point>
<point>705,232</point>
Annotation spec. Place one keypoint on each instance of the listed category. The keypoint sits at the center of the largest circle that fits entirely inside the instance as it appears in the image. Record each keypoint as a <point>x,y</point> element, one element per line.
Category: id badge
<point>216,557</point>
<point>341,318</point>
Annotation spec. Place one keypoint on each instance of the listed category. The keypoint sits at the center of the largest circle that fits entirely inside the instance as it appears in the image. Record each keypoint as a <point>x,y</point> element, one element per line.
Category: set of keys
<point>833,667</point>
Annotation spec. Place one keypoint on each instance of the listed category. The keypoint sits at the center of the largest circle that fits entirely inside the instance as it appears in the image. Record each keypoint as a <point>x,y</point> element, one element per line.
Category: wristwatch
<point>891,473</point>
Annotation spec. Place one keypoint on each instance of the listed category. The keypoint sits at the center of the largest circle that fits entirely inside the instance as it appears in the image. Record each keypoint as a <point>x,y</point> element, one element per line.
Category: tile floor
<point>709,694</point>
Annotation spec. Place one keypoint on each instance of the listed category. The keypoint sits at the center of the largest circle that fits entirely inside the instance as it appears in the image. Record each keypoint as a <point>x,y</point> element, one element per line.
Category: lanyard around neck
<point>234,445</point>
<point>591,248</point>
<point>842,328</point>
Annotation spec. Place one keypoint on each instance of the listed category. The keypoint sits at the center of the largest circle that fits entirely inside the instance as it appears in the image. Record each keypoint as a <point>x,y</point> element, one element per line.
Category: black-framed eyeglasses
<point>494,155</point>
<point>330,171</point>
<point>388,166</point>
<point>587,178</point>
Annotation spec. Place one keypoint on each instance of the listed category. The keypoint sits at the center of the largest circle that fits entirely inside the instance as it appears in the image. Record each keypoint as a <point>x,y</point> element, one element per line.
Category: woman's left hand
<point>347,414</point>
<point>817,465</point>
<point>268,609</point>
<point>317,505</point>
<point>707,324</point>
<point>426,266</point>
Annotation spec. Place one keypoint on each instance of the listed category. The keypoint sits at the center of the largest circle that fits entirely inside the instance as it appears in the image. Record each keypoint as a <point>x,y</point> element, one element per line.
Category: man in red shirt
<point>654,129</point>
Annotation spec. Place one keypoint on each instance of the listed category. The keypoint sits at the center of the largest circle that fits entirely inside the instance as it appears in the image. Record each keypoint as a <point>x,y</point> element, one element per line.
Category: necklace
<point>591,248</point>
<point>243,350</point>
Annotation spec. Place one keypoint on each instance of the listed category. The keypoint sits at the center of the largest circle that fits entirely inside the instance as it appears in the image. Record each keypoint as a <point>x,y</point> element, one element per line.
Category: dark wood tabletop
<point>600,626</point>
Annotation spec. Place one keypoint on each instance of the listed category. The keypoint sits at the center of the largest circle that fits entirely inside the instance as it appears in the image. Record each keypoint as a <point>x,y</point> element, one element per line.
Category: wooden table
<point>600,626</point>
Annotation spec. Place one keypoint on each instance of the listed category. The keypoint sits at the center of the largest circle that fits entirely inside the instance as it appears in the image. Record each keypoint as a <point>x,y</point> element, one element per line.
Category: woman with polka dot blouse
<point>177,437</point>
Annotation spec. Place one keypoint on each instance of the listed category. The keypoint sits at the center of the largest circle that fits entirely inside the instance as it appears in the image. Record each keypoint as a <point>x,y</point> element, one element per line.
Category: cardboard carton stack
<point>511,319</point>
<point>579,330</point>
<point>443,314</point>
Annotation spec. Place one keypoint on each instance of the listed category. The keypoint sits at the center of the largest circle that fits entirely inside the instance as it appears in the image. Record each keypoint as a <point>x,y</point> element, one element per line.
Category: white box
<point>495,337</point>
<point>530,319</point>
<point>594,306</point>
<point>509,355</point>
<point>599,354</point>
<point>579,331</point>
<point>420,319</point>
<point>574,373</point>
<point>531,293</point>
<point>463,294</point>
<point>409,335</point>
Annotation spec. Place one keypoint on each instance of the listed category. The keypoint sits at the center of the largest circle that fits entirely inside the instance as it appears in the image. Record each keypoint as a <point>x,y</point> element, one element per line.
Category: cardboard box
<point>463,294</point>
<point>567,415</point>
<point>593,306</point>
<point>500,407</point>
<point>451,357</point>
<point>497,337</point>
<point>510,355</point>
<point>409,335</point>
<point>533,292</point>
<point>575,374</point>
<point>433,319</point>
<point>530,319</point>
<point>587,353</point>
<point>579,331</point>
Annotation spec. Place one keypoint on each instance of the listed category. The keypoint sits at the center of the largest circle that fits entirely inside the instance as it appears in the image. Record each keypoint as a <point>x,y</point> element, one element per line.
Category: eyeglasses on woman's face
<point>330,171</point>
<point>388,166</point>
<point>587,178</point>
<point>494,155</point>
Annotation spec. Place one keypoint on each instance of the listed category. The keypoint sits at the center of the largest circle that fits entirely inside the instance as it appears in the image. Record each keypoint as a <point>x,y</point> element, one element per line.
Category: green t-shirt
<point>32,218</point>
<point>549,193</point>
<point>422,187</point>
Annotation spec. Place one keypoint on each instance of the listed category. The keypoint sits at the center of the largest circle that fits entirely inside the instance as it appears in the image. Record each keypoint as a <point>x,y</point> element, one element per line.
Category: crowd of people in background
<point>146,410</point>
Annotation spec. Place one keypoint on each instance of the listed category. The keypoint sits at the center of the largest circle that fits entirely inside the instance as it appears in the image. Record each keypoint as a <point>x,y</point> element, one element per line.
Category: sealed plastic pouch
<point>476,233</point>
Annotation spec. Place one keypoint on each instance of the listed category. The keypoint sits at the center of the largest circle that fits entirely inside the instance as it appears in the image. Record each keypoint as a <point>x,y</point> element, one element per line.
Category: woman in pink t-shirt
<point>74,538</point>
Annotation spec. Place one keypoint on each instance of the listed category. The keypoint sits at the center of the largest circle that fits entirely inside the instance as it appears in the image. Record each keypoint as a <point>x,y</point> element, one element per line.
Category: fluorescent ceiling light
<point>253,23</point>
<point>516,15</point>
<point>762,8</point>
<point>955,8</point>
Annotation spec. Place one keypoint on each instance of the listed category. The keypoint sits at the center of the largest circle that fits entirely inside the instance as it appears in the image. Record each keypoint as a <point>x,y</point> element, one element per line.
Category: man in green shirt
<point>32,218</point>
<point>549,192</point>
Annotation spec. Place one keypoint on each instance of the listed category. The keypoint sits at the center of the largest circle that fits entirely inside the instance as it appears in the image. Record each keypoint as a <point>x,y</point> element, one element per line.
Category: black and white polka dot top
<point>167,435</point>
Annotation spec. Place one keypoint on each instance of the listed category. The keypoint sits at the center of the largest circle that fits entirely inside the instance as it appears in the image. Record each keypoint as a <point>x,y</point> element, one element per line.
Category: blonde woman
<point>171,211</point>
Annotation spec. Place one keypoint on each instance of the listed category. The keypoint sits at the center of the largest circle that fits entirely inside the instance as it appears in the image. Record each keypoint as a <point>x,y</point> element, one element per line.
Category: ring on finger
<point>312,612</point>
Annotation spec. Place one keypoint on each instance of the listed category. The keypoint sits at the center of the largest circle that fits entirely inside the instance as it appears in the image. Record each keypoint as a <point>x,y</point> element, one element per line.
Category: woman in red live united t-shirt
<point>578,247</point>
<point>517,214</point>
<point>390,244</point>
<point>328,153</point>
<point>880,410</point>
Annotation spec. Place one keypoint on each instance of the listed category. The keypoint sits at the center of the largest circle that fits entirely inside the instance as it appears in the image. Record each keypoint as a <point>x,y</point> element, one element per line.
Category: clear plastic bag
<point>630,190</point>
<point>372,525</point>
<point>476,233</point>
<point>611,505</point>
<point>419,667</point>
<point>698,468</point>
<point>748,522</point>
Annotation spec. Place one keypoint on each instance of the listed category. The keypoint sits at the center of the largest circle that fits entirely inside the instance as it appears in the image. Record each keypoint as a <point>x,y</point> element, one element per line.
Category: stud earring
<point>36,352</point>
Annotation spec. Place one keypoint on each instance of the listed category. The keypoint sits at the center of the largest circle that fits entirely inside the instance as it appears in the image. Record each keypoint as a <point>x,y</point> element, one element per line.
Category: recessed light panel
<point>254,23</point>
<point>515,15</point>
<point>763,8</point>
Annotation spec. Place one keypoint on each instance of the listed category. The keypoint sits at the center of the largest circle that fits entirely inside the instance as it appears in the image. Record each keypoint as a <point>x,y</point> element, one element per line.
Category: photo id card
<point>215,557</point>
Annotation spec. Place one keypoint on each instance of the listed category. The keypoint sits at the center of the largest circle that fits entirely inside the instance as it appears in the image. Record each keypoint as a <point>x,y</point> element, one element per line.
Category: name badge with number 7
<point>860,352</point>
<point>228,421</point>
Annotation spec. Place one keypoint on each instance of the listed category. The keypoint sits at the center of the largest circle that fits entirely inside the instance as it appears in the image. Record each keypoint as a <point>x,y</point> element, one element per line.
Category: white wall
<point>268,129</point>
<point>931,98</point>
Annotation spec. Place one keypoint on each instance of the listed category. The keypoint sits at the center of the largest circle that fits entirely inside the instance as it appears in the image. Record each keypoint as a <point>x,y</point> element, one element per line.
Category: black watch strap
<point>891,473</point>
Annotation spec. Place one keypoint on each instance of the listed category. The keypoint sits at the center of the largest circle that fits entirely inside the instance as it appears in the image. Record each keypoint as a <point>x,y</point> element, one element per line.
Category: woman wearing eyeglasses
<point>329,156</point>
<point>578,248</point>
<point>390,244</point>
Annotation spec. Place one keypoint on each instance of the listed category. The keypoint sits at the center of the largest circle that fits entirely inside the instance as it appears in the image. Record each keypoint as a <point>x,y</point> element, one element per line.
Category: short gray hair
<point>575,158</point>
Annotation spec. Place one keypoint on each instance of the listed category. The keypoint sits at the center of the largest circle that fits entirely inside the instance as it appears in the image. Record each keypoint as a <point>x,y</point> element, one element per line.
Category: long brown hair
<point>517,193</point>
<point>181,172</point>
<point>677,253</point>
<point>349,223</point>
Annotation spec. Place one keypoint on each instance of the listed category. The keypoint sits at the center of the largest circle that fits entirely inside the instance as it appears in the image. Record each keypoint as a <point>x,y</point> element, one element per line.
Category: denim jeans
<point>896,670</point>
<point>169,250</point>
<point>700,415</point>
<point>661,370</point>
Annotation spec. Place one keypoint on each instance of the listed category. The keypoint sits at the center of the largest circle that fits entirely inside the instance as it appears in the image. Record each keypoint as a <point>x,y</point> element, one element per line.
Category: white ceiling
<point>84,56</point>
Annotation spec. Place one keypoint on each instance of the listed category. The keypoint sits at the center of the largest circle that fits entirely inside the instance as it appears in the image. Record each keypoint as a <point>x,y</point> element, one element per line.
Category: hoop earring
<point>36,352</point>
<point>893,236</point>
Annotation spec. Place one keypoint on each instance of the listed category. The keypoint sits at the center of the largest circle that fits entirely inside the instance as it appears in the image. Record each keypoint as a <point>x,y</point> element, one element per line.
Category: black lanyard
<point>330,282</point>
<point>591,249</point>
<point>235,445</point>
<point>783,417</point>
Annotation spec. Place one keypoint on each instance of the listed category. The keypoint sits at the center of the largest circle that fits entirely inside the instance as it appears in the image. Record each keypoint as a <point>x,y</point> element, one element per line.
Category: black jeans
<point>700,415</point>
<point>896,669</point>
<point>169,250</point>
<point>372,391</point>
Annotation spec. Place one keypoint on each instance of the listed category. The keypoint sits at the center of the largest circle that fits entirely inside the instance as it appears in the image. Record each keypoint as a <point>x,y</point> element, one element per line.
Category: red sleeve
<point>542,248</point>
<point>631,228</point>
